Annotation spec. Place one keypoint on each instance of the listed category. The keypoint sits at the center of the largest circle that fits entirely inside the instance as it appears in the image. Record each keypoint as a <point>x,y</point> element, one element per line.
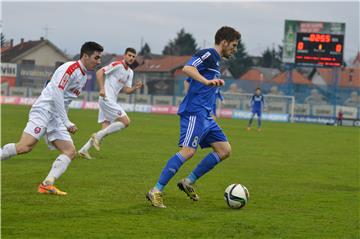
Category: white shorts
<point>44,123</point>
<point>109,111</point>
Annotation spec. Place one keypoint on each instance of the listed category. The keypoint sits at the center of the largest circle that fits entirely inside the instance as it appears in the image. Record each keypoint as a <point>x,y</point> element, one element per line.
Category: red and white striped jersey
<point>65,85</point>
<point>117,75</point>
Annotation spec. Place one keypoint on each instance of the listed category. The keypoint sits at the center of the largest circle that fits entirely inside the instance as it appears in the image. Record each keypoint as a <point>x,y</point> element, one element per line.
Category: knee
<point>23,148</point>
<point>70,152</point>
<point>187,152</point>
<point>125,121</point>
<point>224,153</point>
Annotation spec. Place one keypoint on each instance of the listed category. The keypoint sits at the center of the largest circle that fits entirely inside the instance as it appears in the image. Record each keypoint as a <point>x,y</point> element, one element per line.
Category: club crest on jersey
<point>37,130</point>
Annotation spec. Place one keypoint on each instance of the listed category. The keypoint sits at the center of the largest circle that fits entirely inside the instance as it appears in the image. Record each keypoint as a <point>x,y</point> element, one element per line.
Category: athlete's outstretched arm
<point>100,80</point>
<point>192,72</point>
<point>130,90</point>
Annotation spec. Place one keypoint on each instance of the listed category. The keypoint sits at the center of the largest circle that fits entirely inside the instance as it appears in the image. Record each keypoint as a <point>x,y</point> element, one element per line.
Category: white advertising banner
<point>8,69</point>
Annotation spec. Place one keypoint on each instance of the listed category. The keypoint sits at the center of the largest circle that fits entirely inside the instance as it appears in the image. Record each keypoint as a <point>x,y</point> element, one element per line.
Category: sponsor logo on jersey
<point>206,55</point>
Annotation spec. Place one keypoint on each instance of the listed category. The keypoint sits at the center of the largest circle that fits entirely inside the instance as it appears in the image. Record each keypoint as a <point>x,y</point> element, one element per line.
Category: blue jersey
<point>257,102</point>
<point>218,95</point>
<point>200,99</point>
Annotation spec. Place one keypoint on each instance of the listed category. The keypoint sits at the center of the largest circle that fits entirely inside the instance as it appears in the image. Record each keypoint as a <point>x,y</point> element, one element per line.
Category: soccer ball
<point>236,196</point>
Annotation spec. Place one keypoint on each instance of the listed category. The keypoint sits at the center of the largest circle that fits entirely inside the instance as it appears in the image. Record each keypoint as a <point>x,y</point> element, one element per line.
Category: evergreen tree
<point>271,58</point>
<point>267,58</point>
<point>184,44</point>
<point>145,50</point>
<point>3,40</point>
<point>240,62</point>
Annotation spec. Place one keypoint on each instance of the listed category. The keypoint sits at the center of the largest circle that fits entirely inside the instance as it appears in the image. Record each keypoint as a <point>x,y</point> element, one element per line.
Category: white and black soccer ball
<point>236,196</point>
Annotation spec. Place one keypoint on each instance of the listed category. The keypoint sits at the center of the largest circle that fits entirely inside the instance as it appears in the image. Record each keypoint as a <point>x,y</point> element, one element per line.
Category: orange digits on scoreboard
<point>319,37</point>
<point>300,45</point>
<point>338,48</point>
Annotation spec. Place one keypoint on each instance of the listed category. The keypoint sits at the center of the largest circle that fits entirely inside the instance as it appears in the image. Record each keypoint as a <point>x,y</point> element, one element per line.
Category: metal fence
<point>314,99</point>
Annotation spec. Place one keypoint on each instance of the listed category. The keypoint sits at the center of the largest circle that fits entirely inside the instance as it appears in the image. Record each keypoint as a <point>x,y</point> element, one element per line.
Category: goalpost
<point>274,104</point>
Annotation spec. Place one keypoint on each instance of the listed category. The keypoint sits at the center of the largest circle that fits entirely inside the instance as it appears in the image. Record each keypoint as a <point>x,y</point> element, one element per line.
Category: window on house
<point>28,63</point>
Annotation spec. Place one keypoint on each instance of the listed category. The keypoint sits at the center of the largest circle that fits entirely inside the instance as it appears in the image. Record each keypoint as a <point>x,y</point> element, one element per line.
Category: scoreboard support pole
<point>335,78</point>
<point>289,68</point>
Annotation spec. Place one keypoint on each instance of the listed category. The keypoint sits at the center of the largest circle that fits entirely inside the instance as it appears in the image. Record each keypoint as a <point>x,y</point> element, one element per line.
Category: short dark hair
<point>89,48</point>
<point>226,33</point>
<point>130,49</point>
<point>258,88</point>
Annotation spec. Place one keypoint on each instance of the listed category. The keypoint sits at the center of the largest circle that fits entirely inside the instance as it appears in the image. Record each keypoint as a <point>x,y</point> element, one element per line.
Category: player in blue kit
<point>197,127</point>
<point>257,105</point>
<point>218,95</point>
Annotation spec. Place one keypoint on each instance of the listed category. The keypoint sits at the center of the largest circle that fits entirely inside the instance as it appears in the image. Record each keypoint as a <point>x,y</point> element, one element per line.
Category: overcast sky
<point>117,25</point>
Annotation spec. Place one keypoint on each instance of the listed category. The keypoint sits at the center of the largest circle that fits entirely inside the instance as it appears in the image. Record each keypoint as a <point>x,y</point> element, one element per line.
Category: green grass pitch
<point>303,181</point>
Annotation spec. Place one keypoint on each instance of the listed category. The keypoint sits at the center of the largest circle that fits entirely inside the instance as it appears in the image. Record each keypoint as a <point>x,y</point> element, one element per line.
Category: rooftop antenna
<point>47,31</point>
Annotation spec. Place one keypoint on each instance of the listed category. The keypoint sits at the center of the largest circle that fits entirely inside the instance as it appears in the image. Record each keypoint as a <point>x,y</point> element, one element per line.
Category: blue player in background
<point>257,105</point>
<point>197,126</point>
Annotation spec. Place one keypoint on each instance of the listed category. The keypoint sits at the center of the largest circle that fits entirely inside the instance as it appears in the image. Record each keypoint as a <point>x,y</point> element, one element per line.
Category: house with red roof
<point>160,74</point>
<point>296,77</point>
<point>33,62</point>
<point>34,52</point>
<point>348,77</point>
<point>261,74</point>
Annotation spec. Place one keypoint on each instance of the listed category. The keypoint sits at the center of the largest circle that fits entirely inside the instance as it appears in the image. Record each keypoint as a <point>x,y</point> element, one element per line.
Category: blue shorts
<point>257,112</point>
<point>199,130</point>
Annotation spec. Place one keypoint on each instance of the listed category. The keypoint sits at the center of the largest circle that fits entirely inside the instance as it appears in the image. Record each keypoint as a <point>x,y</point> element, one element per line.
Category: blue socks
<point>259,122</point>
<point>175,162</point>
<point>204,166</point>
<point>170,170</point>
<point>251,119</point>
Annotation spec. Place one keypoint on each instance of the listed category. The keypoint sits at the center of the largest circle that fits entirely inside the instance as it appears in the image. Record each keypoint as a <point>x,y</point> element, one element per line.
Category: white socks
<point>87,146</point>
<point>113,127</point>
<point>58,168</point>
<point>7,151</point>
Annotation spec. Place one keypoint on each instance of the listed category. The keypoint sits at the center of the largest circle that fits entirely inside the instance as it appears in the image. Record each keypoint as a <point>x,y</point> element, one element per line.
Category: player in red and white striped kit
<point>113,78</point>
<point>48,115</point>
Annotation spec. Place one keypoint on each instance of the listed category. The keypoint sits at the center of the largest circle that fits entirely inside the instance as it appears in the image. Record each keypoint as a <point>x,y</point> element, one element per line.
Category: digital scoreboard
<point>313,44</point>
<point>319,49</point>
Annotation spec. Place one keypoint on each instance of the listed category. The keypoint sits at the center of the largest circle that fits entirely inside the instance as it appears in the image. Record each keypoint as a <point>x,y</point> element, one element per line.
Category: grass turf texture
<point>303,181</point>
